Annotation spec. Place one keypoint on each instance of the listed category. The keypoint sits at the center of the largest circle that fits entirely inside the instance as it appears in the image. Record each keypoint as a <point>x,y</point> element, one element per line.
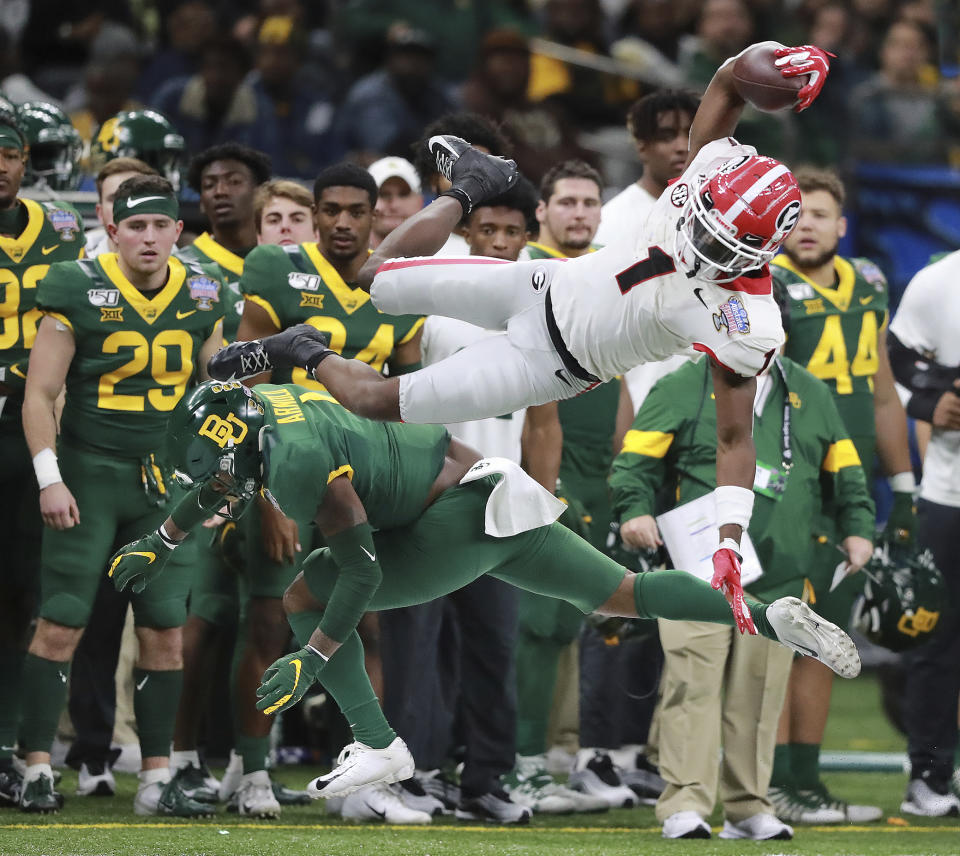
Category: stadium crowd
<point>292,138</point>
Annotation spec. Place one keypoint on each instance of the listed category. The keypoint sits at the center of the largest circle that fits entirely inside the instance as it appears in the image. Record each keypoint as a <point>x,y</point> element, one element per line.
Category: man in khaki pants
<point>721,689</point>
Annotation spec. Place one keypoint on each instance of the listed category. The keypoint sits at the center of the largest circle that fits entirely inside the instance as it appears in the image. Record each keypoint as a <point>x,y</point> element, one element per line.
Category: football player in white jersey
<point>694,280</point>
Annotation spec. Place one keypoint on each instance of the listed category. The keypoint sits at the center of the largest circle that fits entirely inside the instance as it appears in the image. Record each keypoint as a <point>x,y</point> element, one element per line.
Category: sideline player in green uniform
<point>33,235</point>
<point>283,285</point>
<point>401,528</point>
<point>126,333</point>
<point>226,177</point>
<point>838,312</point>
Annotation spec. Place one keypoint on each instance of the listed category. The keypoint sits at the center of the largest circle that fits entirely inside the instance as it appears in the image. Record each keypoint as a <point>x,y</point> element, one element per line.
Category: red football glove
<point>726,578</point>
<point>809,60</point>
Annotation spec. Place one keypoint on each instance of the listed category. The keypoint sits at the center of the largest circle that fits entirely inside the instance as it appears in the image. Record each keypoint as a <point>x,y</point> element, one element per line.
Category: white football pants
<point>496,375</point>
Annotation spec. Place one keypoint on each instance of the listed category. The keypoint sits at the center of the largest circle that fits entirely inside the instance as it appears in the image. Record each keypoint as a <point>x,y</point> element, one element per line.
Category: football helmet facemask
<point>902,598</point>
<point>55,146</point>
<point>214,438</point>
<point>737,219</point>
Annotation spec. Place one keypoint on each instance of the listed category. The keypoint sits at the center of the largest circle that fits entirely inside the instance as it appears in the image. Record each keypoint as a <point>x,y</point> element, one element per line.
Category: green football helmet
<point>55,146</point>
<point>213,437</point>
<point>902,599</point>
<point>143,134</point>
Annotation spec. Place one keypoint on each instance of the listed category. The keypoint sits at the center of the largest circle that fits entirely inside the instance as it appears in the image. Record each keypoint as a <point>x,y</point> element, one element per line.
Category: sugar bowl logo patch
<point>103,296</point>
<point>65,222</point>
<point>732,316</point>
<point>303,281</point>
<point>204,290</point>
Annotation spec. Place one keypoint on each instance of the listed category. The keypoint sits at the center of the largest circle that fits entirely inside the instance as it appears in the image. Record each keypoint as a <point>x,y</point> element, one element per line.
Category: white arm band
<point>734,505</point>
<point>903,483</point>
<point>165,537</point>
<point>45,466</point>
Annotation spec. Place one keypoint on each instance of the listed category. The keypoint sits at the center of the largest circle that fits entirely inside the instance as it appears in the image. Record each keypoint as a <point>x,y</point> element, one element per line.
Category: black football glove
<point>300,346</point>
<point>476,177</point>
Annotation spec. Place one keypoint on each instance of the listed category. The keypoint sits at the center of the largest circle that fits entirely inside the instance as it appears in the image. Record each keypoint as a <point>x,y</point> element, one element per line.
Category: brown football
<point>758,80</point>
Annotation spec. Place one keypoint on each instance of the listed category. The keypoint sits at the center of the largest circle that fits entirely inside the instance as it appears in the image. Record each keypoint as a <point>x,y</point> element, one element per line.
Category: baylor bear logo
<point>221,430</point>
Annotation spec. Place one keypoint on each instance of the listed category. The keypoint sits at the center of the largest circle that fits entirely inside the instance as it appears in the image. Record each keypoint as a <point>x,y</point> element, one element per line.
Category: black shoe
<point>11,783</point>
<point>475,176</point>
<point>494,807</point>
<point>437,785</point>
<point>645,781</point>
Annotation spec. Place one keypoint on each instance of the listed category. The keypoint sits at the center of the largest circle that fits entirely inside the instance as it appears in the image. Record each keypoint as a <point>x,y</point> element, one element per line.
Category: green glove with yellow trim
<point>138,563</point>
<point>288,679</point>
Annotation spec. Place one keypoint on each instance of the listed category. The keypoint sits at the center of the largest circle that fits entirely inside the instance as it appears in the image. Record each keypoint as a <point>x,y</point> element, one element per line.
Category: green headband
<point>10,139</point>
<point>145,203</point>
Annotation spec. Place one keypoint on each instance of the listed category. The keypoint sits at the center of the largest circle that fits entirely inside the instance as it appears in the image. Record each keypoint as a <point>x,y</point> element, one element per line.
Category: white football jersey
<point>498,436</point>
<point>620,213</point>
<point>628,304</point>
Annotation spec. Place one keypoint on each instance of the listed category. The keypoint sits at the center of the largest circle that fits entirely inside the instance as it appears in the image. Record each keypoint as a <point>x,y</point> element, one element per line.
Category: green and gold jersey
<point>205,250</point>
<point>589,422</point>
<point>536,250</point>
<point>311,440</point>
<point>54,233</point>
<point>135,354</point>
<point>835,334</point>
<point>297,284</point>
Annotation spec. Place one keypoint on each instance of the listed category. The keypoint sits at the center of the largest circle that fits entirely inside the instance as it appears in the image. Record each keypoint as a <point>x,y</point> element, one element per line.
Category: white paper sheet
<point>691,534</point>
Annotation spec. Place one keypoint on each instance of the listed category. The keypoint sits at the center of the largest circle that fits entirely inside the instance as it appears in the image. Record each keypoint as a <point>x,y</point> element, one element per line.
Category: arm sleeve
<point>198,505</point>
<point>640,469</point>
<point>841,464</point>
<point>355,554</point>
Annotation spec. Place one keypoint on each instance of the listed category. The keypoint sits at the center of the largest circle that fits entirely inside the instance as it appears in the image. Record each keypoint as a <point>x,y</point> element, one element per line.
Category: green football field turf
<point>95,826</point>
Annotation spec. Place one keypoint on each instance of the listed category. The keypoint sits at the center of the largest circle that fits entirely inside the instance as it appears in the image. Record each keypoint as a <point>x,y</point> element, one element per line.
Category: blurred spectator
<point>385,111</point>
<point>895,115</point>
<point>14,84</point>
<point>215,105</point>
<point>455,27</point>
<point>398,196</point>
<point>660,126</point>
<point>589,97</point>
<point>497,88</point>
<point>302,138</point>
<point>107,89</point>
<point>658,23</point>
<point>188,28</point>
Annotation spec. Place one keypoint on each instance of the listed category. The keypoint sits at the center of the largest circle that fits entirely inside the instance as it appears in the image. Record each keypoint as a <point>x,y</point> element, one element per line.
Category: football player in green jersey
<point>283,286</point>
<point>838,312</point>
<point>226,177</point>
<point>33,235</point>
<point>283,212</point>
<point>126,333</point>
<point>407,516</point>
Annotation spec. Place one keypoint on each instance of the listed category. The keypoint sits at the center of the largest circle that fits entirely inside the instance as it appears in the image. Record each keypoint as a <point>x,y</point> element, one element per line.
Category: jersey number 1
<point>657,263</point>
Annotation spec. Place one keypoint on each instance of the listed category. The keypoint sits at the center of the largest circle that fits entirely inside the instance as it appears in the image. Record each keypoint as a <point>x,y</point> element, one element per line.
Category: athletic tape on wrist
<point>162,532</point>
<point>903,483</point>
<point>45,466</point>
<point>313,650</point>
<point>734,505</point>
<point>730,544</point>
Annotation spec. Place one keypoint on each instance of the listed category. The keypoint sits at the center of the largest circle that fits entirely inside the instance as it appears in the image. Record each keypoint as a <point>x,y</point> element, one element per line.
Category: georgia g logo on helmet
<point>737,219</point>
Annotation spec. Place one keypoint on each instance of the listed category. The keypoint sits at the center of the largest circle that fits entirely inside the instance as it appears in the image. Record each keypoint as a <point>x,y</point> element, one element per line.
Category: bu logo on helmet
<point>221,430</point>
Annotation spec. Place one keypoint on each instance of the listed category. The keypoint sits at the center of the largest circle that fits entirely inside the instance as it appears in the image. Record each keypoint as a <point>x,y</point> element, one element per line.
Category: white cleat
<point>800,628</point>
<point>380,802</point>
<point>255,797</point>
<point>231,777</point>
<point>359,765</point>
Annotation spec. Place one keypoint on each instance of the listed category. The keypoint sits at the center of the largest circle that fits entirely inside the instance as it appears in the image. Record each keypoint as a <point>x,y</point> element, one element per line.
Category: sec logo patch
<point>679,194</point>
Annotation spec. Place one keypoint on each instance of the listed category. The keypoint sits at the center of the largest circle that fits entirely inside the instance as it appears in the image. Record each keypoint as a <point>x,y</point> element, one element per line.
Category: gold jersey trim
<point>149,309</point>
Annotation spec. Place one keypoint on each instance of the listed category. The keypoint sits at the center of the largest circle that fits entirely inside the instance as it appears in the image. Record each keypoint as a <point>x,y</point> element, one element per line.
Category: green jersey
<point>669,457</point>
<point>205,250</point>
<point>136,354</point>
<point>54,233</point>
<point>310,440</point>
<point>536,250</point>
<point>589,422</point>
<point>835,333</point>
<point>296,285</point>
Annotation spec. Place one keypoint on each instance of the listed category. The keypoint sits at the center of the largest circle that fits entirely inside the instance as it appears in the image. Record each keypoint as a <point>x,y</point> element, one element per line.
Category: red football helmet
<point>737,219</point>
